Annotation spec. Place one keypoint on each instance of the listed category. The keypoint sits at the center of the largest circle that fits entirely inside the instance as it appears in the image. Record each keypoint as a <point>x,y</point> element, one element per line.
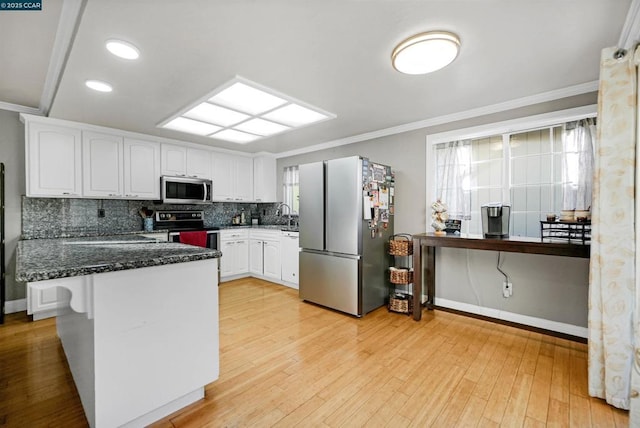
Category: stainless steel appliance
<point>2,269</point>
<point>185,190</point>
<point>495,220</point>
<point>185,221</point>
<point>346,217</point>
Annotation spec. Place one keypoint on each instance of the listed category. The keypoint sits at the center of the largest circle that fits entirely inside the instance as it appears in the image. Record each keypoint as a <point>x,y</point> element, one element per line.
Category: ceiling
<point>333,54</point>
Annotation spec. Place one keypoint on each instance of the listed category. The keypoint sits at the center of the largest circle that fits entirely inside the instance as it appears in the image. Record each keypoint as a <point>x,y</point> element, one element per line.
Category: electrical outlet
<point>507,289</point>
<point>100,212</point>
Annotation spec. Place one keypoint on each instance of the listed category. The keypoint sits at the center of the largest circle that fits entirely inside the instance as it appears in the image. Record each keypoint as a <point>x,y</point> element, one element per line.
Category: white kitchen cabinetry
<point>53,160</point>
<point>232,178</point>
<point>141,169</point>
<point>234,245</point>
<point>290,253</point>
<point>47,303</point>
<point>102,165</point>
<point>264,179</point>
<point>185,161</point>
<point>264,253</point>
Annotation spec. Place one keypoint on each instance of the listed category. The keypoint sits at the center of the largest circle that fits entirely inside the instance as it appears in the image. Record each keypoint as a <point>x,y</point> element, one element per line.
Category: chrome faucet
<point>279,212</point>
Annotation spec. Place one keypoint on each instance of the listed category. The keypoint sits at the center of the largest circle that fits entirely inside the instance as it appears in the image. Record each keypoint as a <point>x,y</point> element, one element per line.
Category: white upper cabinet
<point>53,160</point>
<point>102,165</point>
<point>174,160</point>
<point>264,179</point>
<point>141,169</point>
<point>185,161</point>
<point>198,163</point>
<point>232,178</point>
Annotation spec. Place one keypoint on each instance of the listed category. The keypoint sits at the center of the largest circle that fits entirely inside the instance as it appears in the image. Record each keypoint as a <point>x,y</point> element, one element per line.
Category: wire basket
<point>400,245</point>
<point>400,303</point>
<point>400,275</point>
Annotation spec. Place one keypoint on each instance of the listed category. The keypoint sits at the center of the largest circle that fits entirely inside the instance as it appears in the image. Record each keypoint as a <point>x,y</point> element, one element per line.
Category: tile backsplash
<point>58,217</point>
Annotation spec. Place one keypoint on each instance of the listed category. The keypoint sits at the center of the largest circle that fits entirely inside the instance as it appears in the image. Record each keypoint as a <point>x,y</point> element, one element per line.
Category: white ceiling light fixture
<point>98,85</point>
<point>425,52</point>
<point>192,126</point>
<point>243,111</point>
<point>122,49</point>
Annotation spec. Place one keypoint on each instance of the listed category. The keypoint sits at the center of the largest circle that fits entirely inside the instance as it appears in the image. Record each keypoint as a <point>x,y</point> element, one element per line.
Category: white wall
<point>553,288</point>
<point>12,155</point>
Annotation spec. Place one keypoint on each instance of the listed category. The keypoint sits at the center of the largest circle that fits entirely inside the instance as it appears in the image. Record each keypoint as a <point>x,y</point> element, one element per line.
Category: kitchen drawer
<point>268,234</point>
<point>232,234</point>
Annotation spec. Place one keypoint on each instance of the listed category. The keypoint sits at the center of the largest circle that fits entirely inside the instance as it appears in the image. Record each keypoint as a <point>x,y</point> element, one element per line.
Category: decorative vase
<point>438,217</point>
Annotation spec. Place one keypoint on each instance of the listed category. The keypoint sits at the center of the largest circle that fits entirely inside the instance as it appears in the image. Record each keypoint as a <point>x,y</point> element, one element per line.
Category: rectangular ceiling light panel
<point>242,111</point>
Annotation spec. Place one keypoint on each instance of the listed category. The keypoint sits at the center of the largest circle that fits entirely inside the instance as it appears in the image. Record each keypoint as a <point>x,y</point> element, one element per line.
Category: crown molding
<point>20,109</point>
<point>630,34</point>
<point>543,97</point>
<point>70,17</point>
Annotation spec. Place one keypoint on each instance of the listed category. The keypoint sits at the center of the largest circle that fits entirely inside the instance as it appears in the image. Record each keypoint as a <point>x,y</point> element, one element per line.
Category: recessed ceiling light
<point>247,99</point>
<point>261,127</point>
<point>99,86</point>
<point>192,126</point>
<point>425,52</point>
<point>295,115</point>
<point>247,111</point>
<point>122,49</point>
<point>235,136</point>
<point>215,114</point>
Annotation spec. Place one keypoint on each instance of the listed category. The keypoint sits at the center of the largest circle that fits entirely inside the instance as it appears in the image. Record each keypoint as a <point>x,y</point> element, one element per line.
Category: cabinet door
<point>223,167</point>
<point>264,179</point>
<point>141,169</point>
<point>174,160</point>
<point>289,259</point>
<point>255,256</point>
<point>227,261</point>
<point>272,268</point>
<point>198,163</point>
<point>242,256</point>
<point>243,179</point>
<point>102,165</point>
<point>54,160</point>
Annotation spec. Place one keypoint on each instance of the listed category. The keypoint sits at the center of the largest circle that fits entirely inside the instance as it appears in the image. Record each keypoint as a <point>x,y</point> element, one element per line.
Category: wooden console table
<point>429,241</point>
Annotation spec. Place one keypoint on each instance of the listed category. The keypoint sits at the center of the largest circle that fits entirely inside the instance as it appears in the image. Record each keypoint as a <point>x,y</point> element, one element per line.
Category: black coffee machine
<point>495,220</point>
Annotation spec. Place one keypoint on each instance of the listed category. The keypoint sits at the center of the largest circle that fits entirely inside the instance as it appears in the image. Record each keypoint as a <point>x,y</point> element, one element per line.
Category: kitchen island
<point>140,332</point>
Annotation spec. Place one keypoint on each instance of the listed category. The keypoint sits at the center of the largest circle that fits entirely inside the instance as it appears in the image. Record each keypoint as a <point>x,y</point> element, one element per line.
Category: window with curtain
<point>291,188</point>
<point>536,171</point>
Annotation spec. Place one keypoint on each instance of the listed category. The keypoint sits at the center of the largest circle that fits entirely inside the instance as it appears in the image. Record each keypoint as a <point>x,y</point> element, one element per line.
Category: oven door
<point>184,190</point>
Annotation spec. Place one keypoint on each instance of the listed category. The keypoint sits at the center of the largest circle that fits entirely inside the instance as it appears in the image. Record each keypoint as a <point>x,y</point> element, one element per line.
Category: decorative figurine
<point>438,217</point>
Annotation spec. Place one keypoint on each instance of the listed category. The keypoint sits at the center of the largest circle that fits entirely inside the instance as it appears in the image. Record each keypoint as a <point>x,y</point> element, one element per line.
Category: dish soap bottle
<point>242,217</point>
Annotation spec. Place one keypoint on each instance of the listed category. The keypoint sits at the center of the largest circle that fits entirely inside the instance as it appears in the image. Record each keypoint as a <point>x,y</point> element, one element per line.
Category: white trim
<point>13,306</point>
<point>630,34</point>
<point>508,126</point>
<point>67,27</point>
<point>569,91</point>
<point>559,327</point>
<point>19,108</point>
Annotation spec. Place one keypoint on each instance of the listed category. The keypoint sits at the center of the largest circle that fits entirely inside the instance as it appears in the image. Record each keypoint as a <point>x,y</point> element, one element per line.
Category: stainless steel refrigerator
<point>346,218</point>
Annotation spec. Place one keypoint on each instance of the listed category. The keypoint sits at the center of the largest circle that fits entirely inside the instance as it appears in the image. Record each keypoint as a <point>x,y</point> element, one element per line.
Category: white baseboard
<point>558,327</point>
<point>13,306</point>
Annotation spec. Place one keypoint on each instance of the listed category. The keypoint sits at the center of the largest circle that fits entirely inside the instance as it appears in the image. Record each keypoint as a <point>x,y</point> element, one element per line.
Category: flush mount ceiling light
<point>425,52</point>
<point>122,49</point>
<point>242,111</point>
<point>98,85</point>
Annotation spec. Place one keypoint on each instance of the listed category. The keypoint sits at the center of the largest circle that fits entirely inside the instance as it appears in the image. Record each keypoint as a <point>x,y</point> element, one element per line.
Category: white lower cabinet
<point>234,245</point>
<point>50,302</point>
<point>290,252</point>
<point>264,253</point>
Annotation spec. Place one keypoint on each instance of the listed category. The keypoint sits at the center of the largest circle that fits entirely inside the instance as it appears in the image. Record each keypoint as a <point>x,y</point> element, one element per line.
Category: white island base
<point>141,343</point>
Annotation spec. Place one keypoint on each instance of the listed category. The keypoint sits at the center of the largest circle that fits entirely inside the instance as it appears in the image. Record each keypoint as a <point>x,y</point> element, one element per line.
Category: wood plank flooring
<point>287,363</point>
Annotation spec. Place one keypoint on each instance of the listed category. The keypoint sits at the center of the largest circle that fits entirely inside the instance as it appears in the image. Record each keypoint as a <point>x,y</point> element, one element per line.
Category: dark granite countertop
<point>43,259</point>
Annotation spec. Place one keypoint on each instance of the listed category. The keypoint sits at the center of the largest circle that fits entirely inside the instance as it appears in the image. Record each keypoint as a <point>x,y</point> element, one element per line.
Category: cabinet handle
<point>239,199</point>
<point>113,194</point>
<point>132,196</point>
<point>228,199</point>
<point>69,193</point>
<point>239,242</point>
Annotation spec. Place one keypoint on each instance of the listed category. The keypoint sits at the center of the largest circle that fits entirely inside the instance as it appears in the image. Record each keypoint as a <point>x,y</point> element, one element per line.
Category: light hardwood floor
<point>288,363</point>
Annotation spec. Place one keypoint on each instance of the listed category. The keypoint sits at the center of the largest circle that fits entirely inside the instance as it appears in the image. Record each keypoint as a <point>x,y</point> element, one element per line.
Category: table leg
<point>417,279</point>
<point>430,278</point>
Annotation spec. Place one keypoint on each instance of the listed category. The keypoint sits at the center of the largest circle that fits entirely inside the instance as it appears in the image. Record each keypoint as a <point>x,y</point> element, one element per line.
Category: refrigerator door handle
<point>332,254</point>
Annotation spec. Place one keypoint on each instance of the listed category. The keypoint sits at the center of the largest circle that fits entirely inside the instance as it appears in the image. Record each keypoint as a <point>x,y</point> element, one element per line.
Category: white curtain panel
<point>454,185</point>
<point>577,172</point>
<point>613,283</point>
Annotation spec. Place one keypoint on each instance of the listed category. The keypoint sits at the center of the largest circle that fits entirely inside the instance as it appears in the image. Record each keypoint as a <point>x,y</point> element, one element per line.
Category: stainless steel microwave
<point>185,190</point>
